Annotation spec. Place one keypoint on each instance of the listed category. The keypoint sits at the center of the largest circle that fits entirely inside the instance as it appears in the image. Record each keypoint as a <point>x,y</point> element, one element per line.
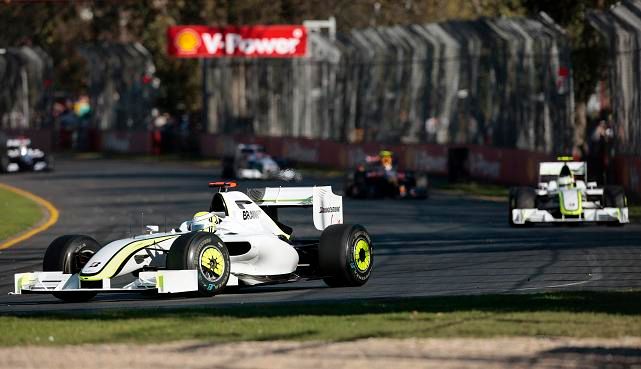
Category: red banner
<point>283,41</point>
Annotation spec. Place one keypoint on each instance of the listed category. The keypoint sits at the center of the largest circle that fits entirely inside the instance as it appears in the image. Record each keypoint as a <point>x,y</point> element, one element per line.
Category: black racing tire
<point>521,198</point>
<point>69,254</point>
<point>422,186</point>
<point>4,163</point>
<point>348,187</point>
<point>614,197</point>
<point>192,250</point>
<point>228,170</point>
<point>345,255</point>
<point>51,163</point>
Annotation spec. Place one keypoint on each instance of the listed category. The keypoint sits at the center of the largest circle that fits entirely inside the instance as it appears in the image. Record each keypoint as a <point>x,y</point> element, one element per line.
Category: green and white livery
<point>238,241</point>
<point>564,195</point>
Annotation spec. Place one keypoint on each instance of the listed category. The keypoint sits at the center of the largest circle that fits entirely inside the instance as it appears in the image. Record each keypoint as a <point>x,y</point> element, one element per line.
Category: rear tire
<point>51,163</point>
<point>422,186</point>
<point>69,254</point>
<point>228,171</point>
<point>345,255</point>
<point>206,253</point>
<point>4,163</point>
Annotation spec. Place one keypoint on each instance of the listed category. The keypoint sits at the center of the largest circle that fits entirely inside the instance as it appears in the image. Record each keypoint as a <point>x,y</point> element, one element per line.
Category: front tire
<point>614,197</point>
<point>345,255</point>
<point>69,254</point>
<point>521,198</point>
<point>206,253</point>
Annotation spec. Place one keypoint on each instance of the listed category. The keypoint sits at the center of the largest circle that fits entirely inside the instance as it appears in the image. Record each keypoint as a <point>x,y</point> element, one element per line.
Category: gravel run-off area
<point>506,353</point>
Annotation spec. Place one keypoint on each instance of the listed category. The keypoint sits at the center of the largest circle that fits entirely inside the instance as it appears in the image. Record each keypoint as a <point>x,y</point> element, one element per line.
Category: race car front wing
<point>605,215</point>
<point>161,281</point>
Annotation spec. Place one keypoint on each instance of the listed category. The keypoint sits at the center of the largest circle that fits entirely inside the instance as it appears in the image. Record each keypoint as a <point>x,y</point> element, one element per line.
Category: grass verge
<point>472,188</point>
<point>569,314</point>
<point>17,214</point>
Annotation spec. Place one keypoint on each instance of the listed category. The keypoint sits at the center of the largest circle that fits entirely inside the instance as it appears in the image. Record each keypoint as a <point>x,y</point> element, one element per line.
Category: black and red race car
<point>379,176</point>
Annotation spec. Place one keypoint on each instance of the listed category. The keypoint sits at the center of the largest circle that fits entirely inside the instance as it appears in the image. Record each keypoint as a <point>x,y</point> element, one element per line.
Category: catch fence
<point>503,82</point>
<point>621,27</point>
<point>25,87</point>
<point>122,86</point>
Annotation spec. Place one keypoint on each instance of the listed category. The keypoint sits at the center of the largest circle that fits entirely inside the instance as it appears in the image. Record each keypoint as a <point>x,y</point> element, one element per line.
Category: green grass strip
<point>569,314</point>
<point>17,214</point>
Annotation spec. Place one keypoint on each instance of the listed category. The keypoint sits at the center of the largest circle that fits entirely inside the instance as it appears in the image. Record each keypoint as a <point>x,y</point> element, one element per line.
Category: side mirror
<point>152,229</point>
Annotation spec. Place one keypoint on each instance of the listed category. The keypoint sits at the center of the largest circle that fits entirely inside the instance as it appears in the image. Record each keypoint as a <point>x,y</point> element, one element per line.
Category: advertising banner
<point>281,41</point>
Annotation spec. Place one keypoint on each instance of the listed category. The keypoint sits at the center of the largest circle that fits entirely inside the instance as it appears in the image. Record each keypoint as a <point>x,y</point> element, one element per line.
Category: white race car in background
<point>17,154</point>
<point>565,196</point>
<point>238,242</point>
<point>252,162</point>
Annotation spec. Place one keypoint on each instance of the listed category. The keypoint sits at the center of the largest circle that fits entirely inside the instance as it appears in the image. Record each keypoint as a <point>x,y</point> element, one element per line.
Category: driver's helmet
<point>566,178</point>
<point>203,221</point>
<point>386,158</point>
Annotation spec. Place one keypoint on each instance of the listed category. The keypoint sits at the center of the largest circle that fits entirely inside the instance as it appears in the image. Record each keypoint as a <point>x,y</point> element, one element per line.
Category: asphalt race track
<point>447,245</point>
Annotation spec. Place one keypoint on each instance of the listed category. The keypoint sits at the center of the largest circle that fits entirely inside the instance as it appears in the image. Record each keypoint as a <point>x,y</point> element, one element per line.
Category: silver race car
<point>239,241</point>
<point>251,161</point>
<point>564,195</point>
<point>17,154</point>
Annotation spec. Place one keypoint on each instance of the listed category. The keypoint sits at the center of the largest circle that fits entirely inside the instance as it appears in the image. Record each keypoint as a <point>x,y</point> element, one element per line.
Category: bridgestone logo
<point>251,214</point>
<point>333,209</point>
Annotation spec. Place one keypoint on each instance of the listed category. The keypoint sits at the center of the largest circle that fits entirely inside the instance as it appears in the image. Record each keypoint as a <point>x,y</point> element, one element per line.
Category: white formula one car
<point>565,196</point>
<point>250,161</point>
<point>17,154</point>
<point>238,242</point>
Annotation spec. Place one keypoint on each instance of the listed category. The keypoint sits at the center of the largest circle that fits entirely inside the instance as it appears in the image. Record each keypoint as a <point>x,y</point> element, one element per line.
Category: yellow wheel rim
<point>212,263</point>
<point>362,255</point>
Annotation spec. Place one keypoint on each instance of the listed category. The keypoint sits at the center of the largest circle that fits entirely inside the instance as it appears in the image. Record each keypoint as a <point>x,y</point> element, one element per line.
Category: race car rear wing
<point>327,207</point>
<point>552,169</point>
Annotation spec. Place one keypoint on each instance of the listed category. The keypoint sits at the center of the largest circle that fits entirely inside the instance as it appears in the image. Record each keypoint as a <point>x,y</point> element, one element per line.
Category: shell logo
<point>187,41</point>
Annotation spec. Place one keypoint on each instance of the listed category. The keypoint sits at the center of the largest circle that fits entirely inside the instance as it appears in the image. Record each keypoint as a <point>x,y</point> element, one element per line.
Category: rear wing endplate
<point>327,207</point>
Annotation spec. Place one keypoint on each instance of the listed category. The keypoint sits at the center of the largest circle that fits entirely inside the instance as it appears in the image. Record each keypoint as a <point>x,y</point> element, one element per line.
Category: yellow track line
<point>52,214</point>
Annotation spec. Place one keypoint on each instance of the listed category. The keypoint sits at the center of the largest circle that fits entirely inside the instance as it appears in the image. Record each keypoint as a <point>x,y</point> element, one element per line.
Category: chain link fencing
<point>621,27</point>
<point>501,82</point>
<point>122,88</point>
<point>25,93</point>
